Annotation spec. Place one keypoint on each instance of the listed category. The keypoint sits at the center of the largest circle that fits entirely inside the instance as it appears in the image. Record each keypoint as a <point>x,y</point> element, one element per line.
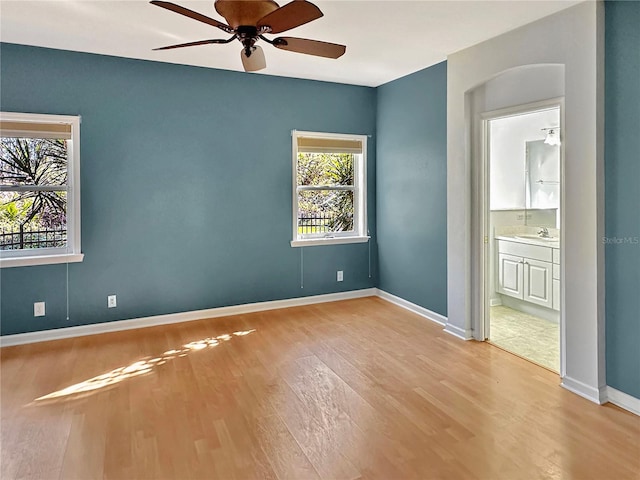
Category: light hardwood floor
<point>352,389</point>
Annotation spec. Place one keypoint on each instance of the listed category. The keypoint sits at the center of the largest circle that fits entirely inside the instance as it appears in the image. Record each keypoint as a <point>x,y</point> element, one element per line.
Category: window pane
<point>33,161</point>
<point>33,220</point>
<point>325,169</point>
<point>325,211</point>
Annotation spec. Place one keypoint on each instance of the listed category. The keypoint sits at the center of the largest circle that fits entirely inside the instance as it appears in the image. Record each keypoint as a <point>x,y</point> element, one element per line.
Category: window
<point>39,189</point>
<point>329,188</point>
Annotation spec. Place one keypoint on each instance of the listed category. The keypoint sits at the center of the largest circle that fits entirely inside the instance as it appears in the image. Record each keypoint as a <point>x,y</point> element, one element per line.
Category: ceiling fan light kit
<point>250,20</point>
<point>253,60</point>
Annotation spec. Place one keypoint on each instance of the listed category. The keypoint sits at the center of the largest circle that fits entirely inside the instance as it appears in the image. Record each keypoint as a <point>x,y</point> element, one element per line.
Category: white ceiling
<point>385,39</point>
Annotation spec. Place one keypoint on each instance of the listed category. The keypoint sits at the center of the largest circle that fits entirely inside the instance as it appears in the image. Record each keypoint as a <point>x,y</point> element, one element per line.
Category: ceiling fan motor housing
<point>244,12</point>
<point>248,35</point>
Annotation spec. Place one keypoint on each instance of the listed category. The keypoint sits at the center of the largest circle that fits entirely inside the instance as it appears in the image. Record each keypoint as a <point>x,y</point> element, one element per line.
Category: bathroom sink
<point>537,237</point>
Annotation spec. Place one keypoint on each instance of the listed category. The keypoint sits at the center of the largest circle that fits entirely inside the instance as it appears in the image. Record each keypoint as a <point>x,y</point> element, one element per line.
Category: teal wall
<point>412,188</point>
<point>186,187</point>
<point>622,191</point>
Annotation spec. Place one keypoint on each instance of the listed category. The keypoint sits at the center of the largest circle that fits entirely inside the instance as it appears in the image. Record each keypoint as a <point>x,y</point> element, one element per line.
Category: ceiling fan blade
<point>192,44</point>
<point>310,47</point>
<point>191,14</point>
<point>254,62</point>
<point>291,15</point>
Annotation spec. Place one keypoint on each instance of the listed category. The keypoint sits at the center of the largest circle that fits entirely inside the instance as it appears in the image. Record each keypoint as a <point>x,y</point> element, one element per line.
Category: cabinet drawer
<point>525,250</point>
<point>556,255</point>
<point>556,271</point>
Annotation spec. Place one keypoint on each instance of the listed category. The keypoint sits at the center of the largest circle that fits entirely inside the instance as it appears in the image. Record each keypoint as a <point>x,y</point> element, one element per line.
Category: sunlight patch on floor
<point>137,368</point>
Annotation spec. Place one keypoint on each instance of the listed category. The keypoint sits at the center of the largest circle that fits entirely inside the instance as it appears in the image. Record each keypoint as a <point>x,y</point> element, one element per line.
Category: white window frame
<point>359,233</point>
<point>72,252</point>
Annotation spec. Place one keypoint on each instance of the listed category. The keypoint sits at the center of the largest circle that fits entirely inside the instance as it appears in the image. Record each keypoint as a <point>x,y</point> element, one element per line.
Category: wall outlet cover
<point>111,301</point>
<point>340,276</point>
<point>38,309</point>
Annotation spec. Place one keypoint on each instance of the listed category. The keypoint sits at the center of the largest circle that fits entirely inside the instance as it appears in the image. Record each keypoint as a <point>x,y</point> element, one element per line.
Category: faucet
<point>544,232</point>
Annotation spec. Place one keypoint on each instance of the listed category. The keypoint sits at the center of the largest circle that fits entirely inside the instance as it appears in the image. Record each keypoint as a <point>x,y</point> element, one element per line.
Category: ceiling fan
<point>250,20</point>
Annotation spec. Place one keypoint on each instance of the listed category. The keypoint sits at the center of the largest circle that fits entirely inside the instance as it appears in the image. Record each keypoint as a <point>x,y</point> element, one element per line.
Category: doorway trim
<point>480,257</point>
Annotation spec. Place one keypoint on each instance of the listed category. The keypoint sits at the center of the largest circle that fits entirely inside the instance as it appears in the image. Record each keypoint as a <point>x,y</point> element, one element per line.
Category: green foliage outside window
<point>334,207</point>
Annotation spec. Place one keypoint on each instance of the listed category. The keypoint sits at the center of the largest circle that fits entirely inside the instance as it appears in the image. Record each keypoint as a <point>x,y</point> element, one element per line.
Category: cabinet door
<point>537,282</point>
<point>510,275</point>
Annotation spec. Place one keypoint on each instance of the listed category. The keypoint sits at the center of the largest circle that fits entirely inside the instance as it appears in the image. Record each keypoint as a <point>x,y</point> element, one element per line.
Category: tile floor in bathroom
<point>531,337</point>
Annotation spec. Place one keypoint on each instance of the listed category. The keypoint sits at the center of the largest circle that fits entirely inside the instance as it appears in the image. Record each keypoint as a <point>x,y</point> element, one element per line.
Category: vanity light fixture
<point>552,136</point>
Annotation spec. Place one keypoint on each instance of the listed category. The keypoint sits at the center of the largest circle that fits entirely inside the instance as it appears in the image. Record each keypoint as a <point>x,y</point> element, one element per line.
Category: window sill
<point>310,242</point>
<point>41,260</point>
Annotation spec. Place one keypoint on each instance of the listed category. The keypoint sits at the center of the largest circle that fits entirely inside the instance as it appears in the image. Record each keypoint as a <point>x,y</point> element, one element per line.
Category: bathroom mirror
<point>542,175</point>
<point>542,183</point>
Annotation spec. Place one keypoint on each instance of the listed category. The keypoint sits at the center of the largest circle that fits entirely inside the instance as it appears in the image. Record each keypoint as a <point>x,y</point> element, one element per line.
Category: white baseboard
<point>458,332</point>
<point>69,332</point>
<point>423,312</point>
<point>622,400</point>
<point>592,394</point>
<point>428,314</point>
<point>119,325</point>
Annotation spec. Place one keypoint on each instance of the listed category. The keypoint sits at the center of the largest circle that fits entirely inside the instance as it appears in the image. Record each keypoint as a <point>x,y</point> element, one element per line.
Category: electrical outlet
<point>111,301</point>
<point>340,276</point>
<point>38,309</point>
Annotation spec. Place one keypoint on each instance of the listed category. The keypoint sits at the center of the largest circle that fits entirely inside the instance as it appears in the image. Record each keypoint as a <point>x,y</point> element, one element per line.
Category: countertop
<point>530,241</point>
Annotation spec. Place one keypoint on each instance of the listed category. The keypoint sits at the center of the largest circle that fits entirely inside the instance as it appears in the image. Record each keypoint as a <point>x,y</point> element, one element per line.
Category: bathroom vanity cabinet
<point>529,271</point>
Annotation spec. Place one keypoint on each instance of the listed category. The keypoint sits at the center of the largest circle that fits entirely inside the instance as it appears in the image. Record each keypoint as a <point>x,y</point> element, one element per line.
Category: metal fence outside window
<point>25,238</point>
<point>315,223</point>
